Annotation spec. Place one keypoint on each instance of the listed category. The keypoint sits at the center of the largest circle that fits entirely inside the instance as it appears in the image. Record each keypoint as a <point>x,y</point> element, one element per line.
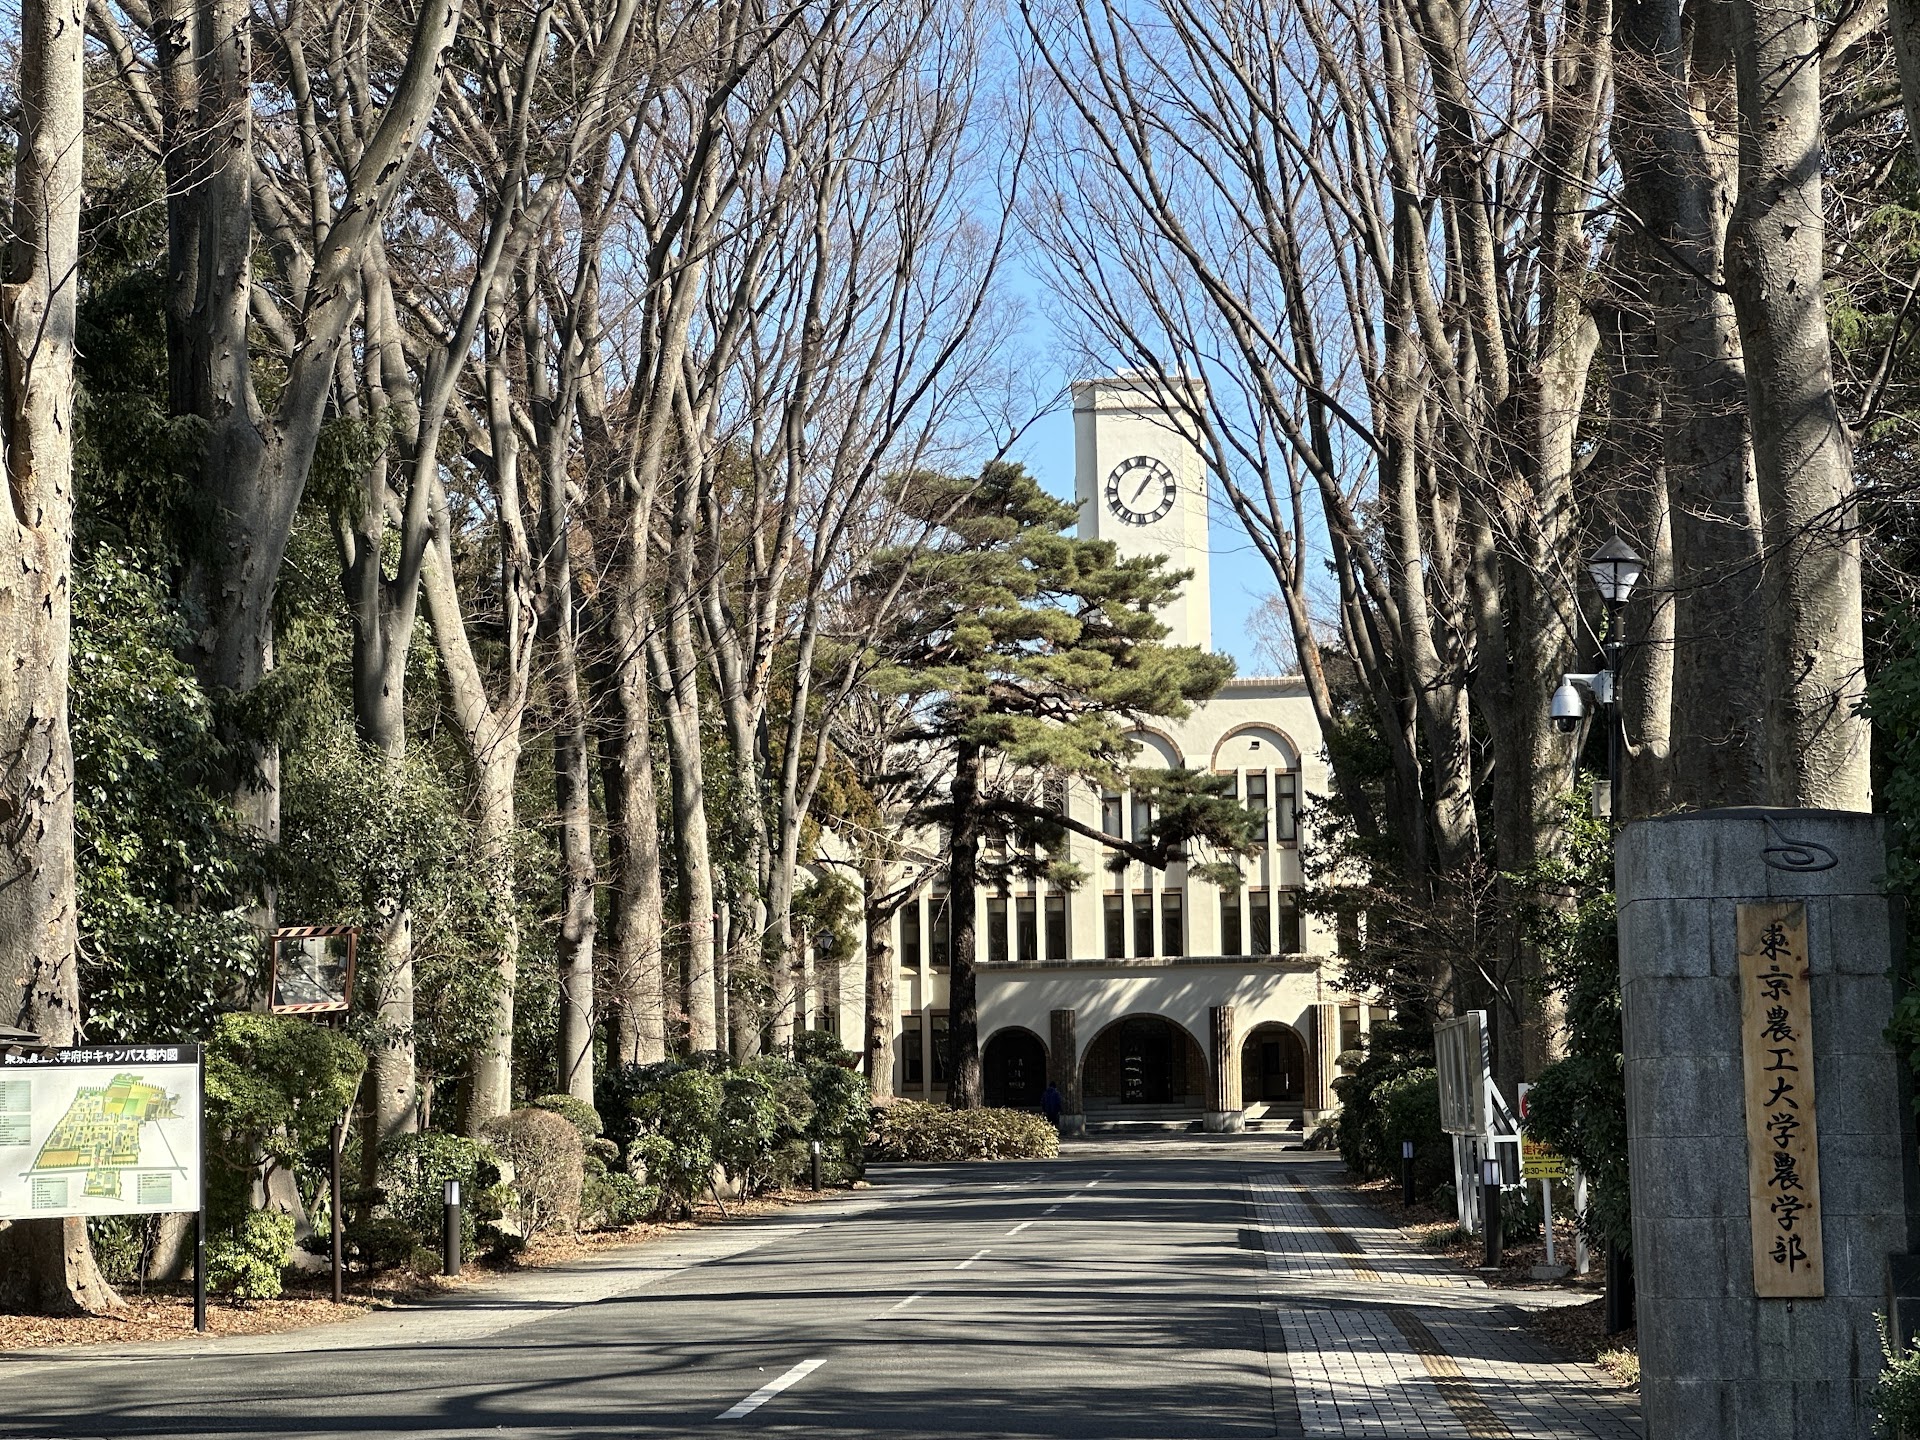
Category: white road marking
<point>1050,1209</point>
<point>1091,1183</point>
<point>770,1389</point>
<point>973,1257</point>
<point>1021,1226</point>
<point>902,1304</point>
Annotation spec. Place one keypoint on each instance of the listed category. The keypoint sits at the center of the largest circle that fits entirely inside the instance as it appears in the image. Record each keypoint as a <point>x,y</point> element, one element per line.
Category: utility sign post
<point>105,1130</point>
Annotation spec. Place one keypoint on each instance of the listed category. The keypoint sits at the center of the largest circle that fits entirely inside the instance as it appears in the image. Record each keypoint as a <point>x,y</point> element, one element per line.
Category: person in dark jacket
<point>1052,1103</point>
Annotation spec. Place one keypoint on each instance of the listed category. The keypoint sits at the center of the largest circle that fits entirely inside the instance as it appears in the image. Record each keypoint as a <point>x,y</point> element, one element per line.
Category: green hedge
<point>916,1130</point>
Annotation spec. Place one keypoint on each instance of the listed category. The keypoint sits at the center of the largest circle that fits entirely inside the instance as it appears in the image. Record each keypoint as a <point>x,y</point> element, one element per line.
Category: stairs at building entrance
<point>1113,1118</point>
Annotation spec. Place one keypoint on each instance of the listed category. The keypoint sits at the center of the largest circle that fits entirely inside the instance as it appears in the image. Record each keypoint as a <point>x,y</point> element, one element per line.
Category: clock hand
<point>1143,487</point>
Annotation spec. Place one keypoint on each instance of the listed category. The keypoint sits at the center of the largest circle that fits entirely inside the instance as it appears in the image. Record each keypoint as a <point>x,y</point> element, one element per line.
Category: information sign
<point>1783,1142</point>
<point>1542,1162</point>
<point>100,1130</point>
<point>1460,1053</point>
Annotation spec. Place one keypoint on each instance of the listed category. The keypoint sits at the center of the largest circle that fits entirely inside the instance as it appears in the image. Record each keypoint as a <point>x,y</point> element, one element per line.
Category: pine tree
<point>1032,653</point>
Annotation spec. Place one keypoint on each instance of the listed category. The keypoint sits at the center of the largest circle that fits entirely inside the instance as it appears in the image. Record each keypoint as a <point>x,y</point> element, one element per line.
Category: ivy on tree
<point>1030,654</point>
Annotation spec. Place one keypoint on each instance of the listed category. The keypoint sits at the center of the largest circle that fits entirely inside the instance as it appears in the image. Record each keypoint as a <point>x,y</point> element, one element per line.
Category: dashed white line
<point>1090,1184</point>
<point>973,1257</point>
<point>1021,1226</point>
<point>770,1389</point>
<point>902,1304</point>
<point>1050,1209</point>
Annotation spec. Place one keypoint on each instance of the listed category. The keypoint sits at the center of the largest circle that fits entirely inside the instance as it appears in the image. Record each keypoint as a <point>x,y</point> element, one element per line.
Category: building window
<point>1142,820</point>
<point>996,929</point>
<point>1257,803</point>
<point>1173,927</point>
<point>1026,926</point>
<point>1116,927</point>
<point>942,1050</point>
<point>1349,1028</point>
<point>1286,825</point>
<point>828,1022</point>
<point>1056,927</point>
<point>1347,932</point>
<point>1378,1015</point>
<point>913,1069</point>
<point>1109,812</point>
<point>942,933</point>
<point>1289,908</point>
<point>910,934</point>
<point>1230,922</point>
<point>1143,924</point>
<point>1259,923</point>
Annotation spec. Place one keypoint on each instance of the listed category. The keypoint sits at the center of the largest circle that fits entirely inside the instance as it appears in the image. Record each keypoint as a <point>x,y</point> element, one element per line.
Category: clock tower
<point>1140,483</point>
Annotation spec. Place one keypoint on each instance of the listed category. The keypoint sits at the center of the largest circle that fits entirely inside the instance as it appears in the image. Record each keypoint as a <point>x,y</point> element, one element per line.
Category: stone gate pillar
<point>1063,1069</point>
<point>1767,1127</point>
<point>1224,1111</point>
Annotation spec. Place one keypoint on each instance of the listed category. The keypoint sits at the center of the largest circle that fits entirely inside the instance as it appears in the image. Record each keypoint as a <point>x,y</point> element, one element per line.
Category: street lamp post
<point>1615,569</point>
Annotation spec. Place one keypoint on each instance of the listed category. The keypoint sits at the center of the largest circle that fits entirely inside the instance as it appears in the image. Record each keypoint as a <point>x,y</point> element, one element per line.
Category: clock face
<point>1141,490</point>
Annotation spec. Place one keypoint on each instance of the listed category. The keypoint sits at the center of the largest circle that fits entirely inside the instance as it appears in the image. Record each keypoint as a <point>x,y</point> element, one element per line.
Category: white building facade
<point>1147,994</point>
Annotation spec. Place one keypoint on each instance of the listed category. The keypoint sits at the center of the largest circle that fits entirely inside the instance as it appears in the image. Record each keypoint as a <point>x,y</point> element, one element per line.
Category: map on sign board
<point>106,1130</point>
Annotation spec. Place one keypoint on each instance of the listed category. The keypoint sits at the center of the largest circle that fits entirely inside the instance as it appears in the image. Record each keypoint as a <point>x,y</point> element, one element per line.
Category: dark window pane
<point>942,934</point>
<point>1026,926</point>
<point>910,934</point>
<point>1116,927</point>
<point>1110,812</point>
<point>1257,803</point>
<point>941,1050</point>
<point>1259,924</point>
<point>1173,927</point>
<point>1285,824</point>
<point>1230,922</point>
<point>1289,925</point>
<point>1056,927</point>
<point>1143,924</point>
<point>996,929</point>
<point>912,1065</point>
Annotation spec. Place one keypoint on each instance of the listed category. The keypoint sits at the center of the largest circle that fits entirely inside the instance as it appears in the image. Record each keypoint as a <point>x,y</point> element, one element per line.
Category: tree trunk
<point>1817,742</point>
<point>1672,130</point>
<point>881,1021</point>
<point>633,835</point>
<point>573,791</point>
<point>45,1265</point>
<point>490,1085</point>
<point>963,883</point>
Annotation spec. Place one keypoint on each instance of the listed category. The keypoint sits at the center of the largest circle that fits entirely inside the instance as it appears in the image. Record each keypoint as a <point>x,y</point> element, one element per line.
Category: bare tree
<point>45,1265</point>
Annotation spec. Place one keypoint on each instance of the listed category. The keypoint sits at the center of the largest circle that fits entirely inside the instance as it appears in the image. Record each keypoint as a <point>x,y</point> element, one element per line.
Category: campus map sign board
<point>100,1130</point>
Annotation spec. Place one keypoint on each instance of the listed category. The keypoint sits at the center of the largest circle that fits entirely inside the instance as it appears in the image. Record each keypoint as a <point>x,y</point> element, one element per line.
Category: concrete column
<point>1224,1111</point>
<point>1326,1052</point>
<point>1717,1360</point>
<point>1063,1069</point>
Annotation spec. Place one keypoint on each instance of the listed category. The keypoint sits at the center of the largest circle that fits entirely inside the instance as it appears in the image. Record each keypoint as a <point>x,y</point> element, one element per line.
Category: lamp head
<point>1569,708</point>
<point>1616,569</point>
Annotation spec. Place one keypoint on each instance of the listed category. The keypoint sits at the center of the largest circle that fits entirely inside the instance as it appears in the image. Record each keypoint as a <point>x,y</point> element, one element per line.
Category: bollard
<point>335,1140</point>
<point>450,1230</point>
<point>1406,1172</point>
<point>1491,1223</point>
<point>816,1165</point>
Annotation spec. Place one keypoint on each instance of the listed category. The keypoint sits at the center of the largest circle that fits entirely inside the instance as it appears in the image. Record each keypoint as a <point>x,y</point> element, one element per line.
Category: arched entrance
<point>1273,1065</point>
<point>1013,1069</point>
<point>1144,1060</point>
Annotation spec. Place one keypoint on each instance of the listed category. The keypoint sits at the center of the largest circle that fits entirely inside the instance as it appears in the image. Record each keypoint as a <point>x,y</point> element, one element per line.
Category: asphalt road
<point>1099,1295</point>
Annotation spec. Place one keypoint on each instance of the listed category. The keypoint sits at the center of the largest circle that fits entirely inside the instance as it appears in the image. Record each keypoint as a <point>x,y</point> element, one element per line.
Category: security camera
<point>1569,708</point>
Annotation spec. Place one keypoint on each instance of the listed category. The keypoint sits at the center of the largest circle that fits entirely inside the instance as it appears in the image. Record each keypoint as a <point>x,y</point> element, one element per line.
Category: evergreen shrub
<point>412,1177</point>
<point>916,1130</point>
<point>247,1263</point>
<point>549,1168</point>
<point>576,1112</point>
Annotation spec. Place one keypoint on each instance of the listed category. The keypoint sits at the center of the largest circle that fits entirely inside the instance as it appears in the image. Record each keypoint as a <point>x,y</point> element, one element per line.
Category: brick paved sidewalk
<point>1384,1340</point>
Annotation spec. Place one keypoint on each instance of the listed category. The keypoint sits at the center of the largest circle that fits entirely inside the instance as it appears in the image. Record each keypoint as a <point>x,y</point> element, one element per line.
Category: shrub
<point>384,1243</point>
<point>840,1110</point>
<point>916,1130</point>
<point>678,1119</point>
<point>1896,1392</point>
<point>1408,1107</point>
<point>576,1112</point>
<point>613,1200</point>
<point>412,1178</point>
<point>247,1263</point>
<point>275,1085</point>
<point>548,1167</point>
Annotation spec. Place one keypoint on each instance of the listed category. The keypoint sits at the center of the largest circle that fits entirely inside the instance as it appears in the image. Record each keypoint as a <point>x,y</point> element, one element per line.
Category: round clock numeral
<point>1141,490</point>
